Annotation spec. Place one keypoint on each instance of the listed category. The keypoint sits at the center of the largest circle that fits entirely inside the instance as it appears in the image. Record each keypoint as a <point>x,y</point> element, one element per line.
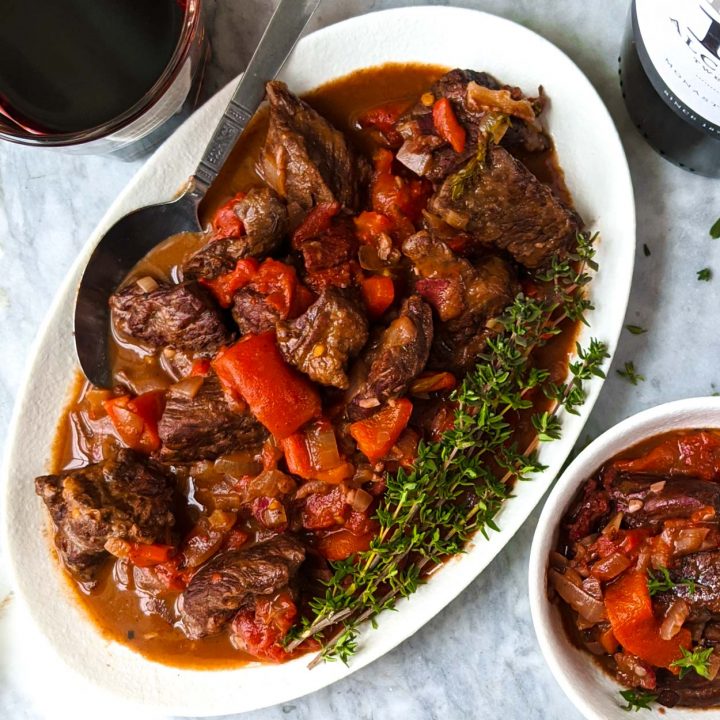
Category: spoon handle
<point>278,40</point>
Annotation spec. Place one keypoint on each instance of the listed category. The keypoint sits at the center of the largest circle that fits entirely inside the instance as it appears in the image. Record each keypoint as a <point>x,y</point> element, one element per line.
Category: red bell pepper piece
<point>378,292</point>
<point>144,555</point>
<point>280,397</point>
<point>447,125</point>
<point>297,457</point>
<point>225,286</point>
<point>629,609</point>
<point>226,223</point>
<point>384,118</point>
<point>136,419</point>
<point>370,225</point>
<point>200,368</point>
<point>377,434</point>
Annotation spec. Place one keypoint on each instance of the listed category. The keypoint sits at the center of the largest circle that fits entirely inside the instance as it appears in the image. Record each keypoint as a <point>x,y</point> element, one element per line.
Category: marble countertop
<point>479,656</point>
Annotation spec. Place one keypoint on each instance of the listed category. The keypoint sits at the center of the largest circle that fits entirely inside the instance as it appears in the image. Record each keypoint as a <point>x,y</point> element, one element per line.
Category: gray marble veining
<point>479,657</point>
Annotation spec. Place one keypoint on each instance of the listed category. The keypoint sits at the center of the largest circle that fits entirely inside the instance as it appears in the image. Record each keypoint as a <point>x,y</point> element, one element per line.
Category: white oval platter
<point>597,174</point>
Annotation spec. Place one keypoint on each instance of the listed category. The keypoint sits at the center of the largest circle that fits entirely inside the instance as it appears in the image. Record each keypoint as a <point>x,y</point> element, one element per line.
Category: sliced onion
<point>270,483</point>
<point>595,648</point>
<point>201,545</point>
<point>147,284</point>
<point>558,561</point>
<point>313,487</point>
<point>117,547</point>
<point>237,465</point>
<point>359,500</point>
<point>610,567</point>
<point>400,332</point>
<point>273,515</point>
<point>713,665</point>
<point>613,524</point>
<point>685,541</point>
<point>675,616</point>
<point>222,521</point>
<point>322,446</point>
<point>579,600</point>
<point>188,387</point>
<point>635,505</point>
<point>480,97</point>
<point>658,486</point>
<point>591,586</point>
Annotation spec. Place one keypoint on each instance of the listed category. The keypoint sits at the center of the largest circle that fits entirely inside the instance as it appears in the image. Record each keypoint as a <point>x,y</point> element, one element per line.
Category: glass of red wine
<point>99,76</point>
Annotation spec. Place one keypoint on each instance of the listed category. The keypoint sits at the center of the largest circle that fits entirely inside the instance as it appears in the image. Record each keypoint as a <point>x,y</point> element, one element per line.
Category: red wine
<point>71,65</point>
<point>670,78</point>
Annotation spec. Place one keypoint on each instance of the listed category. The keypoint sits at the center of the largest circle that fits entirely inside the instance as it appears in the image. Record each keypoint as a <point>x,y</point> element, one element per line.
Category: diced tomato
<point>200,368</point>
<point>304,298</point>
<point>297,457</point>
<point>369,226</point>
<point>172,575</point>
<point>630,612</point>
<point>384,118</point>
<point>341,544</point>
<point>260,631</point>
<point>325,510</point>
<point>278,282</point>
<point>399,199</point>
<point>378,292</point>
<point>144,555</point>
<point>631,541</point>
<point>377,434</point>
<point>225,286</point>
<point>136,419</point>
<point>361,523</point>
<point>280,397</point>
<point>226,223</point>
<point>316,221</point>
<point>235,539</point>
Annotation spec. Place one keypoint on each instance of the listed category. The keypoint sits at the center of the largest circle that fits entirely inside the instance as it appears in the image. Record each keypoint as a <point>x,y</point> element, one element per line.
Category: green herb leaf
<point>697,660</point>
<point>715,230</point>
<point>705,274</point>
<point>637,699</point>
<point>646,250</point>
<point>630,374</point>
<point>661,581</point>
<point>635,329</point>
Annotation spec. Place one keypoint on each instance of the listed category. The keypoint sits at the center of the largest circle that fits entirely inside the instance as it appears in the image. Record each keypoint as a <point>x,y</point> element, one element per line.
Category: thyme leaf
<point>635,329</point>
<point>697,660</point>
<point>715,230</point>
<point>630,374</point>
<point>637,699</point>
<point>661,581</point>
<point>704,275</point>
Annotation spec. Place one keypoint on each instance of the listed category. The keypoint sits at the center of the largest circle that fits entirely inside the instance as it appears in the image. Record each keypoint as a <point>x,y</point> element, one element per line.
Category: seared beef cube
<point>305,159</point>
<point>127,498</point>
<point>321,341</point>
<point>425,153</point>
<point>396,359</point>
<point>330,258</point>
<point>704,598</point>
<point>465,296</point>
<point>264,217</point>
<point>204,426</point>
<point>692,691</point>
<point>180,316</point>
<point>234,580</point>
<point>505,206</point>
<point>253,313</point>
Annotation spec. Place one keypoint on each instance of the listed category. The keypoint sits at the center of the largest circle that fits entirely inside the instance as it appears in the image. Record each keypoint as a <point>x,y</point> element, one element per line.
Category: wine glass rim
<point>191,21</point>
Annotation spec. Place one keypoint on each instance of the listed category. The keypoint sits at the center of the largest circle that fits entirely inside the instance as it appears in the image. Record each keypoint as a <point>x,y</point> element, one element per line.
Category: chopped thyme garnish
<point>697,660</point>
<point>630,374</point>
<point>715,230</point>
<point>635,329</point>
<point>421,516</point>
<point>705,274</point>
<point>637,699</point>
<point>661,581</point>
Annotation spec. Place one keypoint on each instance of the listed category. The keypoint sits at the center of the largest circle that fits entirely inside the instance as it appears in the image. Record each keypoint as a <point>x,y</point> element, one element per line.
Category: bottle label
<point>678,42</point>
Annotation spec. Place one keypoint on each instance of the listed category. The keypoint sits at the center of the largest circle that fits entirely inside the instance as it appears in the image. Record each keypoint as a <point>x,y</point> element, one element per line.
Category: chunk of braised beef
<point>465,296</point>
<point>182,316</point>
<point>590,512</point>
<point>506,207</point>
<point>265,220</point>
<point>253,312</point>
<point>703,598</point>
<point>305,159</point>
<point>323,339</point>
<point>395,359</point>
<point>204,426</point>
<point>234,580</point>
<point>127,497</point>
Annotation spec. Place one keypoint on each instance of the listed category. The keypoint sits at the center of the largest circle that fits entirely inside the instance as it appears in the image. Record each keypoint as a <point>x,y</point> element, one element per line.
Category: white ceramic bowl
<point>594,693</point>
<point>596,171</point>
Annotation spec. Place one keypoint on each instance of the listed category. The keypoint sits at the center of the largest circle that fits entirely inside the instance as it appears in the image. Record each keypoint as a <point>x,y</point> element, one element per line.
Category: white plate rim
<point>164,692</point>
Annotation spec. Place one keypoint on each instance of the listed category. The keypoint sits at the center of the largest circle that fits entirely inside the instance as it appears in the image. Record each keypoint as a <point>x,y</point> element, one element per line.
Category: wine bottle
<point>670,79</point>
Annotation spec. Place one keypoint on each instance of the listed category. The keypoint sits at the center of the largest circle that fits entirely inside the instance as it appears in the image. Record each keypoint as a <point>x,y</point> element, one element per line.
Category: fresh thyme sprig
<point>661,581</point>
<point>459,483</point>
<point>637,699</point>
<point>697,660</point>
<point>631,374</point>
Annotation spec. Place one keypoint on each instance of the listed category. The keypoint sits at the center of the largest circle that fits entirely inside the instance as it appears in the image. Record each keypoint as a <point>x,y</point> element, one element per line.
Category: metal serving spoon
<point>134,235</point>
